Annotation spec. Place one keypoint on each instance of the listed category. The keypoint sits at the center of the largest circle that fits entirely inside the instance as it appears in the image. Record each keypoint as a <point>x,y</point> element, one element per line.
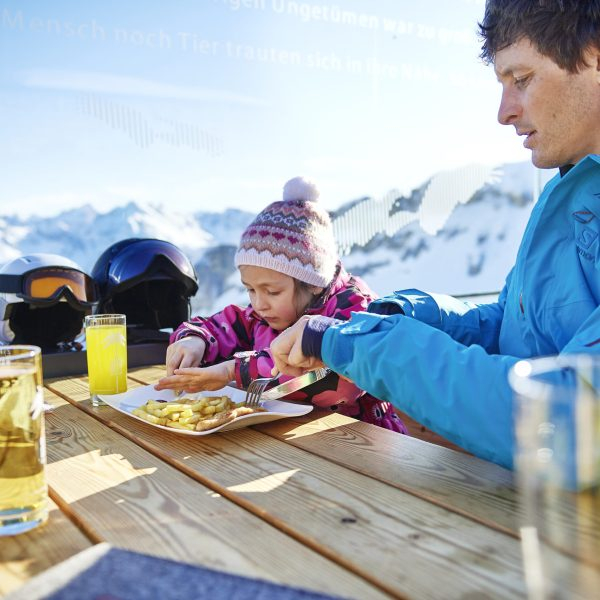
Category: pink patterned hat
<point>292,236</point>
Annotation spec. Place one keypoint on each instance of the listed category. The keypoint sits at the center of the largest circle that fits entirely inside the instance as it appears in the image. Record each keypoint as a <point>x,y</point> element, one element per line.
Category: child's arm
<point>223,333</point>
<point>197,379</point>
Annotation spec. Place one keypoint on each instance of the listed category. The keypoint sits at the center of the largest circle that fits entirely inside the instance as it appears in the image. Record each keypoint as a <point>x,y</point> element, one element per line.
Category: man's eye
<point>521,82</point>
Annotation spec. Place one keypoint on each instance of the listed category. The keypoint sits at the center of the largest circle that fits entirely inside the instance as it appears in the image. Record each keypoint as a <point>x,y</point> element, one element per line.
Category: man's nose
<point>509,109</point>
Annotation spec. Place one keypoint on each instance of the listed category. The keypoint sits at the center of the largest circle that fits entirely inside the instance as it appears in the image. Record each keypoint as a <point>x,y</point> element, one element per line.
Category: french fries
<point>198,414</point>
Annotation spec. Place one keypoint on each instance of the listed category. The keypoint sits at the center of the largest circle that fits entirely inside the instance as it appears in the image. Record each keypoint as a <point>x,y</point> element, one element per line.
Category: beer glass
<point>557,427</point>
<point>106,346</point>
<point>23,488</point>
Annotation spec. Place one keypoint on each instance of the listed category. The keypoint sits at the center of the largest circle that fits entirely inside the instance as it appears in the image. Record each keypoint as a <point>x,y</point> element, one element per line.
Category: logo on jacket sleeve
<point>584,216</point>
<point>585,232</point>
<point>586,237</point>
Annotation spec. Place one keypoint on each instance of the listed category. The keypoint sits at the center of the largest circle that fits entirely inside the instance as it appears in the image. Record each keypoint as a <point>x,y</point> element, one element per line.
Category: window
<point>182,120</point>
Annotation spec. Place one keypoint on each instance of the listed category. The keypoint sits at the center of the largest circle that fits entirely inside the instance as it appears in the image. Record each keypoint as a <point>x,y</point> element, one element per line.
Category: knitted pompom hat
<point>292,236</point>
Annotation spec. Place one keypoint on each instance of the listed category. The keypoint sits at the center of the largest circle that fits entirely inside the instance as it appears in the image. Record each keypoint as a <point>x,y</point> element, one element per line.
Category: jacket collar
<point>339,281</point>
<point>591,161</point>
<point>565,169</point>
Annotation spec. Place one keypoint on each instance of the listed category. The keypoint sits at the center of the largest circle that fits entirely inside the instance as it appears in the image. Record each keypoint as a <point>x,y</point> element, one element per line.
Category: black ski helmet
<point>149,280</point>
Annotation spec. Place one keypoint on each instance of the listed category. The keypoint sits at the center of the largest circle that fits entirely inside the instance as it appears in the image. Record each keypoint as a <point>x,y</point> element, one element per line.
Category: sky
<point>203,105</point>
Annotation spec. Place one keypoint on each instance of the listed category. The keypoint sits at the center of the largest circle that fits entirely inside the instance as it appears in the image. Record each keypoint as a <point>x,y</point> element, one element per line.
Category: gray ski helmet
<point>149,280</point>
<point>43,300</point>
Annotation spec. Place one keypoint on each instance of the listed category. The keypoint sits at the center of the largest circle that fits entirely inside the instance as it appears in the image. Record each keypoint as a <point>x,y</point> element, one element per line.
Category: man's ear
<point>592,58</point>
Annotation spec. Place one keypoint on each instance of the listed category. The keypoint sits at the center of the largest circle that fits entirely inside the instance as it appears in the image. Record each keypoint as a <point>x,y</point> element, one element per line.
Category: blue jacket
<point>447,366</point>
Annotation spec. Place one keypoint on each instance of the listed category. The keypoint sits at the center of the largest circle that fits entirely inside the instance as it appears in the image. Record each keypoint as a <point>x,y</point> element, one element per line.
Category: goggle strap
<point>11,284</point>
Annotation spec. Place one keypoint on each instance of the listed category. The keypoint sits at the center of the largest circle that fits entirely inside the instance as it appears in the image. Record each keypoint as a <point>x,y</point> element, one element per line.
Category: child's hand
<point>186,352</point>
<point>194,379</point>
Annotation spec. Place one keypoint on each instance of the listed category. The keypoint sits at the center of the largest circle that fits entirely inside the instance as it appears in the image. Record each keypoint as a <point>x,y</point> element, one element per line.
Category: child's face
<point>273,296</point>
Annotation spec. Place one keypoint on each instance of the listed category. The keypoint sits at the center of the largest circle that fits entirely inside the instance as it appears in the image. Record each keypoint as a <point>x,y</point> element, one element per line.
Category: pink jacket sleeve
<point>225,332</point>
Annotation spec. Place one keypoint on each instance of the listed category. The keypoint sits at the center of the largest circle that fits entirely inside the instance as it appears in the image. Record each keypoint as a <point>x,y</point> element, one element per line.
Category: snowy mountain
<point>479,215</point>
<point>474,247</point>
<point>82,234</point>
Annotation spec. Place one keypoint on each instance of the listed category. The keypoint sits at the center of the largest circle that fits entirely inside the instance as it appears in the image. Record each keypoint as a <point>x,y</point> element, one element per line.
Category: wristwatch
<point>243,376</point>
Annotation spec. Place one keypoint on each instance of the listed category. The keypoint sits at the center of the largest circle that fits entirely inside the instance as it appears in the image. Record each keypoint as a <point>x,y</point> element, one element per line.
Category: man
<point>445,362</point>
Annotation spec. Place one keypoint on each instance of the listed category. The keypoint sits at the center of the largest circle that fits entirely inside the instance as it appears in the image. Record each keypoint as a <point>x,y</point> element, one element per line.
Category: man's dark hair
<point>560,29</point>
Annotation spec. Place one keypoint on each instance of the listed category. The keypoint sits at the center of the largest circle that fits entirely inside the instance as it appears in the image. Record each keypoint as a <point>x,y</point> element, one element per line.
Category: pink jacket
<point>236,329</point>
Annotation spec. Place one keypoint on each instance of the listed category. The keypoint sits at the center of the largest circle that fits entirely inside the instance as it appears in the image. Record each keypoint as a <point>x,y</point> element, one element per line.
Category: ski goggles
<point>149,258</point>
<point>47,284</point>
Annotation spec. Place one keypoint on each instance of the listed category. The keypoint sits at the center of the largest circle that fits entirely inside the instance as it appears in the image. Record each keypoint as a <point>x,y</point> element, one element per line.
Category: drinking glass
<point>106,346</point>
<point>557,461</point>
<point>23,488</point>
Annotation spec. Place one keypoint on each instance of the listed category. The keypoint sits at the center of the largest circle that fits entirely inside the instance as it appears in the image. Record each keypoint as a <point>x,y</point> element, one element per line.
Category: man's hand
<point>186,352</point>
<point>287,351</point>
<point>193,379</point>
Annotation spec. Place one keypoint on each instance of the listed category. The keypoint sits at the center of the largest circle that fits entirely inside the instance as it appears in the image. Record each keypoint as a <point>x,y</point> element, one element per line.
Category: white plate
<point>276,409</point>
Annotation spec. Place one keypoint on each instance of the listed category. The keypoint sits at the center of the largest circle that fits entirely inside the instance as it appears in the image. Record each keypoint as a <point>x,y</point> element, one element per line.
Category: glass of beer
<point>23,488</point>
<point>106,346</point>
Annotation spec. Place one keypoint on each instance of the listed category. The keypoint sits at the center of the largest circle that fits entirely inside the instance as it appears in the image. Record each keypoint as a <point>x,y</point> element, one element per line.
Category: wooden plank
<point>419,431</point>
<point>500,479</point>
<point>76,389</point>
<point>327,507</point>
<point>147,375</point>
<point>458,481</point>
<point>484,491</point>
<point>130,498</point>
<point>23,556</point>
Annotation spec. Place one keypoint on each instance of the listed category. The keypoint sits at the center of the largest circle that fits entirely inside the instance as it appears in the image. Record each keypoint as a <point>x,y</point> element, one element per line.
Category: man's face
<point>557,111</point>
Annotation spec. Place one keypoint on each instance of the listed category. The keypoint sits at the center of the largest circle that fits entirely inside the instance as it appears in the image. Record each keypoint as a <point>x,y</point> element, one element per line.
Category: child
<point>288,263</point>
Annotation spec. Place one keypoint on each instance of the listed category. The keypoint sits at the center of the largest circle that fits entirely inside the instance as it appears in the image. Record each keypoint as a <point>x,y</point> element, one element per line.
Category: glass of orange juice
<point>106,346</point>
<point>23,489</point>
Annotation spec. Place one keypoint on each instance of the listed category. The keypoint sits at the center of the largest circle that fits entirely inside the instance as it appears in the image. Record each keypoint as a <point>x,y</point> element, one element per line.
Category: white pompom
<point>300,188</point>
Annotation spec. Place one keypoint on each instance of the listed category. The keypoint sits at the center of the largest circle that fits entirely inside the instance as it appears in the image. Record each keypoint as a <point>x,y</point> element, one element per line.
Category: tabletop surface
<point>321,502</point>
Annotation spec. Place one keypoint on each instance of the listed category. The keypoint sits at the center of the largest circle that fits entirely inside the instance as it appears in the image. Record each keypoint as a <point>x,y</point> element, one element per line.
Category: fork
<point>255,390</point>
<point>258,386</point>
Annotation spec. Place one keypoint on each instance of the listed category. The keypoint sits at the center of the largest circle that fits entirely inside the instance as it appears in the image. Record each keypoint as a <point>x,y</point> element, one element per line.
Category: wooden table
<point>322,502</point>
